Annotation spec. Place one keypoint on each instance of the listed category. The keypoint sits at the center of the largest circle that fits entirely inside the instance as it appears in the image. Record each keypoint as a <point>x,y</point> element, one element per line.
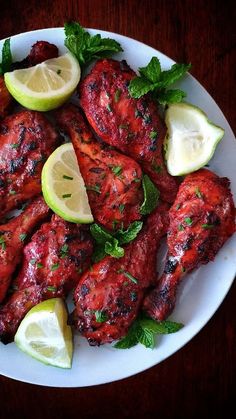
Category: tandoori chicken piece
<point>12,239</point>
<point>52,264</point>
<point>5,98</point>
<point>131,125</point>
<point>109,295</point>
<point>113,181</point>
<point>26,140</point>
<point>40,51</point>
<point>201,220</point>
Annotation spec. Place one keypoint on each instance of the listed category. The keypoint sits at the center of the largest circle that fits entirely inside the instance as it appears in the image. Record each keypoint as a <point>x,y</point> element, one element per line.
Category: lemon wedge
<point>45,335</point>
<point>63,186</point>
<point>191,138</point>
<point>45,86</point>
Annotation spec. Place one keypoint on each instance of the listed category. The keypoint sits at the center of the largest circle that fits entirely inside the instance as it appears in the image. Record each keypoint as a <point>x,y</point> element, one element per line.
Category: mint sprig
<point>86,47</point>
<point>152,79</point>
<point>108,243</point>
<point>151,196</point>
<point>6,63</point>
<point>144,329</point>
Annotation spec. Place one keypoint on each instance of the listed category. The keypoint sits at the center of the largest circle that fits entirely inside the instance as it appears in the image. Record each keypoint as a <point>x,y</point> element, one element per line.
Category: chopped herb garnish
<point>153,135</point>
<point>121,207</point>
<point>100,316</point>
<point>109,107</point>
<point>95,188</point>
<point>23,236</point>
<point>181,227</point>
<point>188,221</point>
<point>12,192</point>
<point>117,95</point>
<point>15,145</point>
<point>117,170</point>
<point>51,288</point>
<point>2,243</point>
<point>183,269</point>
<point>64,251</point>
<point>156,167</point>
<point>55,266</point>
<point>128,275</point>
<point>39,265</point>
<point>66,195</point>
<point>67,177</point>
<point>151,196</point>
<point>208,226</point>
<point>177,206</point>
<point>32,261</point>
<point>198,193</point>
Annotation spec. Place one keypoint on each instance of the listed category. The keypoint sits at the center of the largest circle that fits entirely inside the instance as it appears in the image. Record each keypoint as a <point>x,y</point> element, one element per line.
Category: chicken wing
<point>12,238</point>
<point>52,264</point>
<point>26,140</point>
<point>109,295</point>
<point>131,125</point>
<point>113,181</point>
<point>201,220</point>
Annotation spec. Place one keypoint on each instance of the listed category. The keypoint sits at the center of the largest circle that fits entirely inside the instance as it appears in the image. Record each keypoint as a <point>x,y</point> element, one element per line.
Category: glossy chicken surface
<point>26,141</point>
<point>109,295</point>
<point>12,239</point>
<point>40,51</point>
<point>52,264</point>
<point>5,98</point>
<point>201,220</point>
<point>113,180</point>
<point>131,125</point>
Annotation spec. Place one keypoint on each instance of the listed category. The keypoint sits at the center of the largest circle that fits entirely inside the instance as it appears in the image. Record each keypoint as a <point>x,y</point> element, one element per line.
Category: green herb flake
<point>177,207</point>
<point>128,275</point>
<point>64,251</point>
<point>66,195</point>
<point>117,95</point>
<point>121,208</point>
<point>101,316</point>
<point>153,135</point>
<point>2,243</point>
<point>181,227</point>
<point>39,265</point>
<point>12,192</point>
<point>22,236</point>
<point>208,226</point>
<point>188,221</point>
<point>151,196</point>
<point>52,288</point>
<point>55,266</point>
<point>117,170</point>
<point>94,188</point>
<point>15,145</point>
<point>67,177</point>
<point>109,108</point>
<point>198,193</point>
<point>33,261</point>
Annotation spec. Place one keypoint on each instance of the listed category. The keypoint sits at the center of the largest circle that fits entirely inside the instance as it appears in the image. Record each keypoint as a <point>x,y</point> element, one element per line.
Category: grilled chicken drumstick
<point>53,262</point>
<point>5,98</point>
<point>131,125</point>
<point>201,220</point>
<point>12,237</point>
<point>109,295</point>
<point>26,141</point>
<point>113,181</point>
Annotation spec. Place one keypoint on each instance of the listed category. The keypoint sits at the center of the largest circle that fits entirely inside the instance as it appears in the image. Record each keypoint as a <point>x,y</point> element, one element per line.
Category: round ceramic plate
<point>199,295</point>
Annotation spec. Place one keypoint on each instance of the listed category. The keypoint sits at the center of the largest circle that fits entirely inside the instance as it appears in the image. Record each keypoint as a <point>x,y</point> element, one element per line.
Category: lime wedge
<point>191,138</point>
<point>45,86</point>
<point>45,335</point>
<point>63,186</point>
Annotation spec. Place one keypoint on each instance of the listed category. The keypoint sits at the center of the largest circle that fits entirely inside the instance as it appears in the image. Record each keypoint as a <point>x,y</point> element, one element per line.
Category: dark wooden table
<point>199,380</point>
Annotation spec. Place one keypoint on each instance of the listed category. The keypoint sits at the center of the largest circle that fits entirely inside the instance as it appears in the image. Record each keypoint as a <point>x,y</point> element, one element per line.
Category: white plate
<point>199,296</point>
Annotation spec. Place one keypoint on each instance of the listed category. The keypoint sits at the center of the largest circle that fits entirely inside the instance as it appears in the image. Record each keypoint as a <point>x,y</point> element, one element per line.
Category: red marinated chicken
<point>113,181</point>
<point>109,295</point>
<point>131,125</point>
<point>26,141</point>
<point>201,220</point>
<point>5,98</point>
<point>53,262</point>
<point>12,238</point>
<point>40,51</point>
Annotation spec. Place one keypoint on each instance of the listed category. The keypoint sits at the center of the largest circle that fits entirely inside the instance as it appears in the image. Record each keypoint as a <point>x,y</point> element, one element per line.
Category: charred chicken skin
<point>201,220</point>
<point>131,125</point>
<point>113,181</point>
<point>26,141</point>
<point>52,264</point>
<point>5,98</point>
<point>109,295</point>
<point>40,51</point>
<point>12,238</point>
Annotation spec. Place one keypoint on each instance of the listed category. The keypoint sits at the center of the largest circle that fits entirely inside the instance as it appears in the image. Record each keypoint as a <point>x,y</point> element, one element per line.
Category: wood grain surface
<point>199,380</point>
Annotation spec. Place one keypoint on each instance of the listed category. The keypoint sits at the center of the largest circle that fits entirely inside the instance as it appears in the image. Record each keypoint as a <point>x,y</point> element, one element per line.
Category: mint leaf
<point>6,57</point>
<point>98,254</point>
<point>112,248</point>
<point>100,234</point>
<point>143,330</point>
<point>101,316</point>
<point>176,71</point>
<point>152,71</point>
<point>86,47</point>
<point>170,96</point>
<point>126,236</point>
<point>140,86</point>
<point>151,196</point>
